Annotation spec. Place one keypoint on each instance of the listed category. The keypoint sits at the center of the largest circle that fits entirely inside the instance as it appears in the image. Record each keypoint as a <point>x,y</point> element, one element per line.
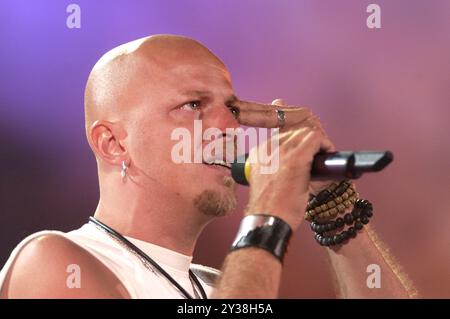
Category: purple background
<point>373,89</point>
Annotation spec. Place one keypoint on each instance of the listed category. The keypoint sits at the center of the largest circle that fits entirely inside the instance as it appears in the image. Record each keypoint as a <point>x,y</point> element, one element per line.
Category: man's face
<point>174,98</point>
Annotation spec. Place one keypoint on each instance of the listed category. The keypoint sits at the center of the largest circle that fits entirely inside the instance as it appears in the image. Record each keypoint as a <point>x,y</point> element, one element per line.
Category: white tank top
<point>139,281</point>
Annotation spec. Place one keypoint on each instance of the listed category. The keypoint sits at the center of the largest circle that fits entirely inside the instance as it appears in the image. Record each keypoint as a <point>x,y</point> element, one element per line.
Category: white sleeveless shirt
<point>140,281</point>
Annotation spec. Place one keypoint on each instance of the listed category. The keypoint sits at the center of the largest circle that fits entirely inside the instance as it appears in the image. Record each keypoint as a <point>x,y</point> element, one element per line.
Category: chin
<point>217,201</point>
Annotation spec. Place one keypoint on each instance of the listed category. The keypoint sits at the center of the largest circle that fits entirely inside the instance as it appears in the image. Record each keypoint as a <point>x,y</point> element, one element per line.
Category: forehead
<point>165,84</point>
<point>195,76</point>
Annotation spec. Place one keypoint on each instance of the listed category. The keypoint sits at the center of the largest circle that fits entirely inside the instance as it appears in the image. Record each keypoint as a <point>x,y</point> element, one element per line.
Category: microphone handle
<point>329,166</point>
<point>348,164</point>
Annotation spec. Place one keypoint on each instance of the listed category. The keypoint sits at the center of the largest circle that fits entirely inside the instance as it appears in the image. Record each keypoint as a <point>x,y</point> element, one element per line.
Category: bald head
<point>115,82</point>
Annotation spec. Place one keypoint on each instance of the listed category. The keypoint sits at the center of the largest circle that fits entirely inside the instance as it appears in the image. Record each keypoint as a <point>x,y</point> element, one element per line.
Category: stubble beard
<point>214,203</point>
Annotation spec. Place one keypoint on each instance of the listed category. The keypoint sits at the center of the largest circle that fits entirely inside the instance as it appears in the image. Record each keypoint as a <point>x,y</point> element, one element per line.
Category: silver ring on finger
<point>281,117</point>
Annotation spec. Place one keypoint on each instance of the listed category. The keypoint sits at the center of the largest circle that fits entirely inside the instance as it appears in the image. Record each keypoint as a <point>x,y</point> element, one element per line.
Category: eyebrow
<point>195,92</point>
<point>231,99</point>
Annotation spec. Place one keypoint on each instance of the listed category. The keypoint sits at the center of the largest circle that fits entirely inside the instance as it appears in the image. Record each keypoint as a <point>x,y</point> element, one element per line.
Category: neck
<point>165,221</point>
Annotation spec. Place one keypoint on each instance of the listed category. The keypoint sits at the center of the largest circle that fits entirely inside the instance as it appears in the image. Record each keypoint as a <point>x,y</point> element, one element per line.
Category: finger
<point>313,120</point>
<point>285,141</point>
<point>318,140</point>
<point>255,106</point>
<point>327,146</point>
<point>268,117</point>
<point>278,102</point>
<point>264,118</point>
<point>296,139</point>
<point>311,143</point>
<point>285,136</point>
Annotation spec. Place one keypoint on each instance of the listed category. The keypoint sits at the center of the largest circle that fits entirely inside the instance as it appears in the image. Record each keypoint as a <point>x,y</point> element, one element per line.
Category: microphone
<point>327,166</point>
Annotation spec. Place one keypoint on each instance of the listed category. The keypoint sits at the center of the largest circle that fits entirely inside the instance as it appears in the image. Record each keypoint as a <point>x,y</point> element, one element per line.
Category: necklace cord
<point>143,255</point>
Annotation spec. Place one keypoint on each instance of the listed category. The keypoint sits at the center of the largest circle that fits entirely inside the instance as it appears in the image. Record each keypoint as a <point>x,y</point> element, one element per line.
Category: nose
<point>221,117</point>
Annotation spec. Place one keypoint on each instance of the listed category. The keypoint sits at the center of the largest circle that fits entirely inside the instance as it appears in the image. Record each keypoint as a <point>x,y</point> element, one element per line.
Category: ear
<point>106,139</point>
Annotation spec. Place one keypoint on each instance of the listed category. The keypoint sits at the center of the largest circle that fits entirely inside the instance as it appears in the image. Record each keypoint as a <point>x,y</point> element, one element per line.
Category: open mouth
<point>223,154</point>
<point>218,163</point>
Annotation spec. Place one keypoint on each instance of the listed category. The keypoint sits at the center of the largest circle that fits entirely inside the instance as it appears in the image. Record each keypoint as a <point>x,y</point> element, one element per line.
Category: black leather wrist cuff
<point>264,231</point>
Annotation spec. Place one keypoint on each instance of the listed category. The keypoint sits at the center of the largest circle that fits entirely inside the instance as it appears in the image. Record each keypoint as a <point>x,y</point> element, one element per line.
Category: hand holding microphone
<point>308,161</point>
<point>285,193</point>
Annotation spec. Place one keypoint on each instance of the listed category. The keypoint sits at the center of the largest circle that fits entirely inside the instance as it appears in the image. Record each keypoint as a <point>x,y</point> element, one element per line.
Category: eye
<point>234,110</point>
<point>191,106</point>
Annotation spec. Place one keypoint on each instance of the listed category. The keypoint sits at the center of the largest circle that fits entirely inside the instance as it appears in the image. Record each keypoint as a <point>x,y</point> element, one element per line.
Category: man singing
<point>140,241</point>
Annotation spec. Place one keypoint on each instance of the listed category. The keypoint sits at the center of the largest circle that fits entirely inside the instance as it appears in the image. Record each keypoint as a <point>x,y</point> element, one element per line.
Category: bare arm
<point>40,271</point>
<point>249,273</point>
<point>355,268</point>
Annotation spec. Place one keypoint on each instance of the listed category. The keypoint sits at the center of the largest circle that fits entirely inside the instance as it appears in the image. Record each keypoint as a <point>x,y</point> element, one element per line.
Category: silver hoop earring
<point>124,170</point>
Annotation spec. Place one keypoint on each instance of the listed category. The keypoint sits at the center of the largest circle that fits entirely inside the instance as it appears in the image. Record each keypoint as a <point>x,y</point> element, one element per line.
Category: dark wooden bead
<point>348,219</point>
<point>333,225</point>
<point>356,213</point>
<point>344,235</point>
<point>328,241</point>
<point>364,219</point>
<point>331,241</point>
<point>351,232</point>
<point>312,204</point>
<point>323,196</point>
<point>320,229</point>
<point>318,237</point>
<point>359,203</point>
<point>322,241</point>
<point>341,188</point>
<point>339,222</point>
<point>337,239</point>
<point>364,202</point>
<point>358,225</point>
<point>368,212</point>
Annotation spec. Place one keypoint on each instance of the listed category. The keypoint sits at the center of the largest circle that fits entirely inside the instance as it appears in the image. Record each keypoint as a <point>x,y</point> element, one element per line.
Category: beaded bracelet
<point>338,205</point>
<point>328,204</point>
<point>359,217</point>
<point>361,210</point>
<point>333,201</point>
<point>333,191</point>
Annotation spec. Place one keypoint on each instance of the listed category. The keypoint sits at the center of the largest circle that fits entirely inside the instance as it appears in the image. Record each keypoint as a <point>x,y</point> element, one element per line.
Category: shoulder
<point>52,266</point>
<point>208,275</point>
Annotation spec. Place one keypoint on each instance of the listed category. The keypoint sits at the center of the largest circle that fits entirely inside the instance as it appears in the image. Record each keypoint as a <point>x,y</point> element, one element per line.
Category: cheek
<point>150,147</point>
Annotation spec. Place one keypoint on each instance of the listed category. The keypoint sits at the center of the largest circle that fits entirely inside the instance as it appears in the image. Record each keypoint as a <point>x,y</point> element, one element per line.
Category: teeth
<point>219,162</point>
